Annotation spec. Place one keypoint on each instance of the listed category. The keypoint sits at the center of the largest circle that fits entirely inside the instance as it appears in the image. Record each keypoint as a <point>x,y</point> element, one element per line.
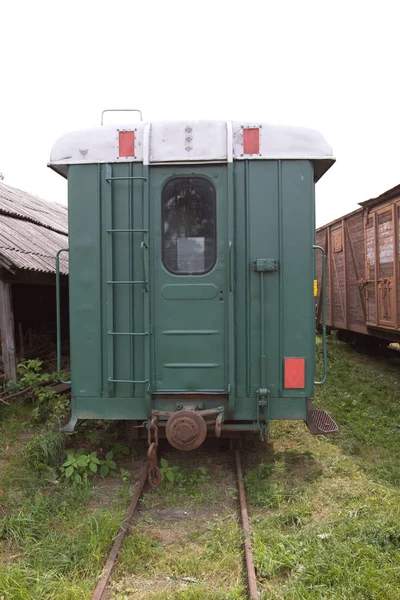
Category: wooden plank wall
<point>7,330</point>
<point>344,244</point>
<point>359,248</point>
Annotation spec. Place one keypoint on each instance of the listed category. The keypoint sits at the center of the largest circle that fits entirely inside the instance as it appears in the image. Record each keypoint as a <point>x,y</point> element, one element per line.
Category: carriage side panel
<point>297,269</point>
<point>274,222</point>
<point>85,280</point>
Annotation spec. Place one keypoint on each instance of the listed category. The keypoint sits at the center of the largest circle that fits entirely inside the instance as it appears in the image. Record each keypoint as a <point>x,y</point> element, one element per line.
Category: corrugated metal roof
<point>31,232</point>
<point>27,206</point>
<point>29,246</point>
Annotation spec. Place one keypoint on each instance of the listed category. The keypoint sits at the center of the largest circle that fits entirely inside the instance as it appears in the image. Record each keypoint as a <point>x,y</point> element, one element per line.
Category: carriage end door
<point>190,270</point>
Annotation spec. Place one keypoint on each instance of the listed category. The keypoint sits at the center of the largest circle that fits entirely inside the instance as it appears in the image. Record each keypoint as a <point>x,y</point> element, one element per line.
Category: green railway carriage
<point>191,252</point>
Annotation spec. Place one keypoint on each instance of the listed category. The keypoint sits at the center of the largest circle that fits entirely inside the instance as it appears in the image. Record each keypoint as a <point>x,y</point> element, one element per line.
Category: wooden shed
<point>363,292</point>
<point>31,232</point>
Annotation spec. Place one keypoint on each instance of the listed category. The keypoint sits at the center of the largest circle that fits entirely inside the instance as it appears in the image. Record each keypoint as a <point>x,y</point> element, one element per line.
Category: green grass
<point>202,560</point>
<point>54,537</point>
<point>14,419</point>
<point>56,541</point>
<point>363,394</point>
<point>194,558</point>
<point>60,558</point>
<point>45,449</point>
<point>326,510</point>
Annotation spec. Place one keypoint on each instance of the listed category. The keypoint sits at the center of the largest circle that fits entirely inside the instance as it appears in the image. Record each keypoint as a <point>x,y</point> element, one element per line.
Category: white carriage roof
<point>190,142</point>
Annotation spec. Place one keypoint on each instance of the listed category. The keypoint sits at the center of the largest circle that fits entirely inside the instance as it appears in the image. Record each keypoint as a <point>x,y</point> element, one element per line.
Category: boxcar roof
<point>384,197</point>
<point>190,142</point>
<point>339,219</point>
<point>388,195</point>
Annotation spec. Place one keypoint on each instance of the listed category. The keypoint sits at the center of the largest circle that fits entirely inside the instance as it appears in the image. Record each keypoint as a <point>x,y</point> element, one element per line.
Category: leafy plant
<point>11,387</point>
<point>79,465</point>
<point>60,407</point>
<point>93,437</point>
<point>125,475</point>
<point>30,372</point>
<point>97,433</point>
<point>47,404</point>
<point>168,474</point>
<point>107,464</point>
<point>119,451</point>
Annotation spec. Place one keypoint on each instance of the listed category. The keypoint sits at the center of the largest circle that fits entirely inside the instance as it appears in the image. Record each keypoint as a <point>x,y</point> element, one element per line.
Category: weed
<point>191,480</point>
<point>93,437</point>
<point>124,475</point>
<point>47,406</point>
<point>79,465</point>
<point>96,433</point>
<point>107,464</point>
<point>84,463</point>
<point>119,451</point>
<point>46,448</point>
<point>188,482</point>
<point>168,474</point>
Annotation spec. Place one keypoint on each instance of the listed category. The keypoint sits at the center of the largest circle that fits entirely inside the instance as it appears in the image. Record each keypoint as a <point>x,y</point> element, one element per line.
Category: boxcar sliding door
<point>380,268</point>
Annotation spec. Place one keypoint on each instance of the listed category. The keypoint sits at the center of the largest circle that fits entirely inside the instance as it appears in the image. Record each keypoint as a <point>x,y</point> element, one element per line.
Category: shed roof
<point>31,232</point>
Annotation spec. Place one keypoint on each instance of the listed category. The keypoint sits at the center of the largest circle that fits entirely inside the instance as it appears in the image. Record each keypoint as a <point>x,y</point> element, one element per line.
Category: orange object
<point>251,141</point>
<point>295,373</point>
<point>126,143</point>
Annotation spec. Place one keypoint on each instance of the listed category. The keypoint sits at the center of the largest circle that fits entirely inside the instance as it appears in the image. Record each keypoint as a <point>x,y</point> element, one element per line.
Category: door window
<point>189,228</point>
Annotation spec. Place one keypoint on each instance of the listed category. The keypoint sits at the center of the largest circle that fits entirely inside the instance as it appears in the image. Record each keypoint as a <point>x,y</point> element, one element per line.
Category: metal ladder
<point>144,247</point>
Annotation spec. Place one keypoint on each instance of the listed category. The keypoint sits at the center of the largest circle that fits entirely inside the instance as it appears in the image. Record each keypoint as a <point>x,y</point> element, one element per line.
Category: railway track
<point>101,590</point>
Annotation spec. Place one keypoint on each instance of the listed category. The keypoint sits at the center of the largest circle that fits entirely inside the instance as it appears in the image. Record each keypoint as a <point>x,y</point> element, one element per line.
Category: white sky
<point>332,66</point>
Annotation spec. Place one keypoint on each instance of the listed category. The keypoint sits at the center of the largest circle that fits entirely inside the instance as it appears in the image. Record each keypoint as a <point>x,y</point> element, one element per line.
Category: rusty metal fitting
<point>154,470</point>
<point>186,430</point>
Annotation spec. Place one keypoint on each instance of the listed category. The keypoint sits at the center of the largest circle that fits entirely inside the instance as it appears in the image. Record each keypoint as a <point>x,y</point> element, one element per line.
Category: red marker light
<point>295,373</point>
<point>127,143</point>
<point>251,141</point>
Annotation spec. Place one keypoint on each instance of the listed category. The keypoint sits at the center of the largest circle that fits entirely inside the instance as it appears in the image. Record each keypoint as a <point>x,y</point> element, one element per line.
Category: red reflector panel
<point>295,373</point>
<point>126,143</point>
<point>251,141</point>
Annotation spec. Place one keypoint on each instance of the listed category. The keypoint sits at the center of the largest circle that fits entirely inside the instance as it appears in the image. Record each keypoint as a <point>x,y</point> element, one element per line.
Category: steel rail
<point>102,583</point>
<point>98,593</point>
<point>248,551</point>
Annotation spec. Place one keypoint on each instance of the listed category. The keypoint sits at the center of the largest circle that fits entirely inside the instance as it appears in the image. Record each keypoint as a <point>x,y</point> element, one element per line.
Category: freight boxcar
<point>191,252</point>
<point>363,290</point>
